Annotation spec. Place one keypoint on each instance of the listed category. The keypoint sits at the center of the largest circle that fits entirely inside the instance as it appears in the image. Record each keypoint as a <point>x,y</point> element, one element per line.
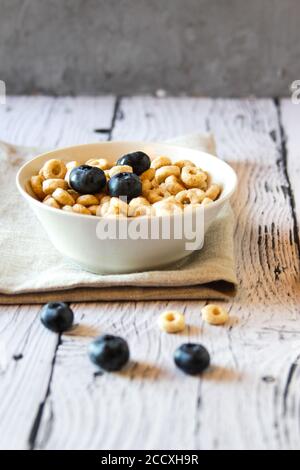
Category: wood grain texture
<point>249,399</point>
<point>24,379</point>
<point>290,118</point>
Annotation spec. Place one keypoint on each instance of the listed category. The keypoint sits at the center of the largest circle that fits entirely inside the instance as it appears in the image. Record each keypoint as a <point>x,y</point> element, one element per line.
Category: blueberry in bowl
<point>57,316</point>
<point>87,179</point>
<point>139,161</point>
<point>125,185</point>
<point>109,352</point>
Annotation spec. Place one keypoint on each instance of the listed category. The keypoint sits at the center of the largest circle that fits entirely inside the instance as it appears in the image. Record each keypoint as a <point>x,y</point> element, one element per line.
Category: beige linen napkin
<point>32,271</point>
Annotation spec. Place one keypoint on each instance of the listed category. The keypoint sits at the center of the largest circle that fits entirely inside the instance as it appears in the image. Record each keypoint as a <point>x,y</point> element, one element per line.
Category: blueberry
<point>192,358</point>
<point>57,316</point>
<point>139,161</point>
<point>109,352</point>
<point>125,184</point>
<point>87,179</point>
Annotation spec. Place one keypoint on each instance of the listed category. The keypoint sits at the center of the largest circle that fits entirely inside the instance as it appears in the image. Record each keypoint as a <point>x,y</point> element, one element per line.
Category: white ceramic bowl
<point>77,236</point>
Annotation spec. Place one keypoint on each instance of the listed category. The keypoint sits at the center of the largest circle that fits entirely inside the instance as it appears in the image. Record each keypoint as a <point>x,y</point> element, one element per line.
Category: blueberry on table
<point>57,316</point>
<point>127,185</point>
<point>87,179</point>
<point>109,352</point>
<point>139,161</point>
<point>192,358</point>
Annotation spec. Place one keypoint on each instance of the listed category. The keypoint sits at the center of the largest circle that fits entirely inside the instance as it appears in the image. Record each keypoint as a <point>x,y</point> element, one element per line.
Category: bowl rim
<point>39,204</point>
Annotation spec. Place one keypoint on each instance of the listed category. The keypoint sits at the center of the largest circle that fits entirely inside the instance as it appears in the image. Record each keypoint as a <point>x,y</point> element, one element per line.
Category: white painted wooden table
<point>49,396</point>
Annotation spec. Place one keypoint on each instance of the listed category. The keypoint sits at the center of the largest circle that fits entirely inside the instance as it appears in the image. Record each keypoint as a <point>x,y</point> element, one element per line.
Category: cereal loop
<point>51,202</point>
<point>120,169</point>
<point>172,185</point>
<point>93,209</point>
<point>115,207</point>
<point>63,197</point>
<point>139,206</point>
<point>182,163</point>
<point>72,164</point>
<point>171,321</point>
<point>148,175</point>
<point>87,200</point>
<point>49,186</point>
<point>162,173</point>
<point>36,183</point>
<point>194,177</point>
<point>167,206</point>
<point>79,209</point>
<point>160,161</point>
<point>213,192</point>
<point>190,196</point>
<point>54,169</point>
<point>101,163</point>
<point>214,314</point>
<point>206,201</point>
<point>67,208</point>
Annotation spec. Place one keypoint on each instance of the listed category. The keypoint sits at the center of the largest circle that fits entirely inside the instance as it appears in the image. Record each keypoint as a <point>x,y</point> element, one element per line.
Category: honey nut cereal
<point>54,169</point>
<point>214,314</point>
<point>163,172</point>
<point>100,163</point>
<point>36,183</point>
<point>63,197</point>
<point>159,187</point>
<point>171,321</point>
<point>50,185</point>
<point>160,161</point>
<point>88,200</point>
<point>194,177</point>
<point>50,201</point>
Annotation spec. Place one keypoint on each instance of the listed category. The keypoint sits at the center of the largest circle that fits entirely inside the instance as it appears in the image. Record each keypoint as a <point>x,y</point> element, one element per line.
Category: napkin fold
<point>32,271</point>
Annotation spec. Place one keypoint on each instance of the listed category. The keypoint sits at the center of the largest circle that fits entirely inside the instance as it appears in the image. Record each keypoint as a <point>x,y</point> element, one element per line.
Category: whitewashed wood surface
<point>50,397</point>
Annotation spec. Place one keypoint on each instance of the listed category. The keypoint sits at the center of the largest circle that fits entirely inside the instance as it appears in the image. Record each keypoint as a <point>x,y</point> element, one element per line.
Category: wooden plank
<point>249,399</point>
<point>290,115</point>
<point>24,381</point>
<point>48,122</point>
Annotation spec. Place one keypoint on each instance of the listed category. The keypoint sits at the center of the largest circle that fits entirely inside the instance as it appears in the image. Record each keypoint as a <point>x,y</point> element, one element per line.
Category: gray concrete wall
<point>203,47</point>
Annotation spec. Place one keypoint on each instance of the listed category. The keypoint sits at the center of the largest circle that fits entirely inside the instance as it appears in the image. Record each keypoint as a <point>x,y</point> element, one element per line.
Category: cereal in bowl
<point>134,186</point>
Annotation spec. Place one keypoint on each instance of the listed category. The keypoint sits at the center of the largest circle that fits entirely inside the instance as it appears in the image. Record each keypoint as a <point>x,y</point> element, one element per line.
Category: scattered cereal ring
<point>160,161</point>
<point>120,169</point>
<point>171,321</point>
<point>80,209</point>
<point>162,173</point>
<point>213,192</point>
<point>49,186</point>
<point>87,200</point>
<point>190,196</point>
<point>53,169</point>
<point>37,186</point>
<point>50,201</point>
<point>214,314</point>
<point>63,197</point>
<point>182,163</point>
<point>194,177</point>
